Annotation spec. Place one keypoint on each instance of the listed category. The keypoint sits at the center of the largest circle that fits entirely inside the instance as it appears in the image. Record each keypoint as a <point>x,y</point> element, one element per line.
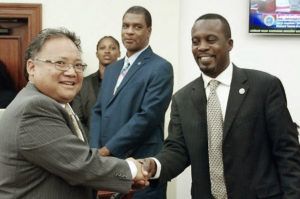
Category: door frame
<point>33,14</point>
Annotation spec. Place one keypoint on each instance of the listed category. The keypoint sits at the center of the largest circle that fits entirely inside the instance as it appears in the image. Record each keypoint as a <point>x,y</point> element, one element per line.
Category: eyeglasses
<point>63,66</point>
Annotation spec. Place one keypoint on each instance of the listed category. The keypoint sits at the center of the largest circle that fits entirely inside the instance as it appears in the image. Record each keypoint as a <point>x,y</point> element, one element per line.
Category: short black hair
<point>108,37</point>
<point>140,10</point>
<point>38,42</point>
<point>226,26</point>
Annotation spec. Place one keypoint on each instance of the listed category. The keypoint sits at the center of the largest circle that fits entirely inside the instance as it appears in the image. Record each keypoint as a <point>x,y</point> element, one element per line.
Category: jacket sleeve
<point>284,138</point>
<point>46,140</point>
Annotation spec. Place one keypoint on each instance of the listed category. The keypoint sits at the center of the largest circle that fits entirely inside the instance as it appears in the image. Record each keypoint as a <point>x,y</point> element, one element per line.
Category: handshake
<point>146,169</point>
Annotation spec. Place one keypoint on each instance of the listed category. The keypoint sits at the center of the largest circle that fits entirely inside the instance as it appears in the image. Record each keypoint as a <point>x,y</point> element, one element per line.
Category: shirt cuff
<point>158,169</point>
<point>132,167</point>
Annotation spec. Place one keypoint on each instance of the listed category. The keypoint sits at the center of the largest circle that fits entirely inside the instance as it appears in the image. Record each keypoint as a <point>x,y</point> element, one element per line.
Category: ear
<point>149,30</point>
<point>230,44</point>
<point>30,67</point>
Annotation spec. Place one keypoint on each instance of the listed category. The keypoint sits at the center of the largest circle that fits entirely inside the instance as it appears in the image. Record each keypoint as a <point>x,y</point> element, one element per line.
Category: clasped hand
<point>146,169</point>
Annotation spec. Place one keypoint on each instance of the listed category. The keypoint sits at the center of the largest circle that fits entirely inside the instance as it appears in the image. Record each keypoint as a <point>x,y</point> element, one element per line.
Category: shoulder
<point>257,76</point>
<point>159,60</point>
<point>42,103</point>
<point>89,80</point>
<point>157,64</point>
<point>115,66</point>
<point>91,76</point>
<point>186,90</point>
<point>31,103</point>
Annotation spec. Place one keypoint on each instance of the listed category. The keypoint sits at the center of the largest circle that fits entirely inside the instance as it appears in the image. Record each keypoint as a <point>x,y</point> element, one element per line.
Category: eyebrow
<point>66,58</point>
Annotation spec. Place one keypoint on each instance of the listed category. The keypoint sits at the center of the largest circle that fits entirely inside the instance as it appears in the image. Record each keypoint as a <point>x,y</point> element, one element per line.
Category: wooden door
<point>22,22</point>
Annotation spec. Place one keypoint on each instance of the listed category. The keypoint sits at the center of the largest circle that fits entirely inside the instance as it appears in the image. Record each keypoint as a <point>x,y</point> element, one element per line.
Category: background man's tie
<point>74,121</point>
<point>122,75</point>
<point>215,135</point>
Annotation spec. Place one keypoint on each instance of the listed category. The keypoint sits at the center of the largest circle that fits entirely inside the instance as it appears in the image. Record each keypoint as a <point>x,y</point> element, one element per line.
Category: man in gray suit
<point>43,150</point>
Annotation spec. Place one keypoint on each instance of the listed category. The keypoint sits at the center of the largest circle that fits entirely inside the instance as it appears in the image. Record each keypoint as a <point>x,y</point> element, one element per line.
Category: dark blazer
<point>131,122</point>
<point>41,156</point>
<point>85,100</point>
<point>260,143</point>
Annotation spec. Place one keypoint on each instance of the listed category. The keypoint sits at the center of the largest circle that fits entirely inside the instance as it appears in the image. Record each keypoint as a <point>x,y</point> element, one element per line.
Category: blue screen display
<point>274,16</point>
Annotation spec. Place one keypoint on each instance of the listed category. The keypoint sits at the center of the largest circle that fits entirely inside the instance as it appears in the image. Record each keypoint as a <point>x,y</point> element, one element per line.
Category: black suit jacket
<point>85,100</point>
<point>260,144</point>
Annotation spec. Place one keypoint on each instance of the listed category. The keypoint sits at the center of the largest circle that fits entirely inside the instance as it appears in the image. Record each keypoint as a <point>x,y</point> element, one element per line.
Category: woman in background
<point>108,51</point>
<point>7,89</point>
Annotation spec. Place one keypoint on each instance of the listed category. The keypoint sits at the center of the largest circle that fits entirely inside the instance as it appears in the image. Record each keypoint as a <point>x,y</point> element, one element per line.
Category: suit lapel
<point>199,97</point>
<point>238,91</point>
<point>137,65</point>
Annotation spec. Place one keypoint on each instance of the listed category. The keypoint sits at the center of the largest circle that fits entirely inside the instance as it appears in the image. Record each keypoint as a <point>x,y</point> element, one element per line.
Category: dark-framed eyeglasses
<point>63,66</point>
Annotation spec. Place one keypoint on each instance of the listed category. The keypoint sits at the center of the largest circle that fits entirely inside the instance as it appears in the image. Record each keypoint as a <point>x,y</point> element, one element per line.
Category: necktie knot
<point>213,84</point>
<point>126,66</point>
<point>68,109</point>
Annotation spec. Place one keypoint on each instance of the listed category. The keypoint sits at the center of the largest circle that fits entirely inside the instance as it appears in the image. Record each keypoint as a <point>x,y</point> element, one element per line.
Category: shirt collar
<point>133,57</point>
<point>224,77</point>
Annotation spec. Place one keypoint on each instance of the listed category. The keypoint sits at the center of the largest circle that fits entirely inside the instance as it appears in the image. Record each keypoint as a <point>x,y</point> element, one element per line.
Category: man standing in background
<point>128,118</point>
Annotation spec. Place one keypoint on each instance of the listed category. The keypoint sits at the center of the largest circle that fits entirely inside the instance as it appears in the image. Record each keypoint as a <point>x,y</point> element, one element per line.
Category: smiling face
<point>62,86</point>
<point>108,51</point>
<point>135,33</point>
<point>210,46</point>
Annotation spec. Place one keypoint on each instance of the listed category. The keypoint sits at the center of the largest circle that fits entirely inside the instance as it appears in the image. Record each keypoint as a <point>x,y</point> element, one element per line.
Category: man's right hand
<point>149,165</point>
<point>141,179</point>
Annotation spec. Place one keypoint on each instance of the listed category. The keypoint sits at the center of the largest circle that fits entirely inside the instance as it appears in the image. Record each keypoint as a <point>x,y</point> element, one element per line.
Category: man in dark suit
<point>128,118</point>
<point>43,151</point>
<point>259,145</point>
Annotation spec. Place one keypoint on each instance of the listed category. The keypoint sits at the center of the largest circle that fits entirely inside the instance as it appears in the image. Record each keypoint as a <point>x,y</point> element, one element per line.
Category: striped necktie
<point>123,72</point>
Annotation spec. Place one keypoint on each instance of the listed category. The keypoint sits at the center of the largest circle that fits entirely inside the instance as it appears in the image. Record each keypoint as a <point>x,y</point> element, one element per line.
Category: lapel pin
<point>242,91</point>
<point>139,63</point>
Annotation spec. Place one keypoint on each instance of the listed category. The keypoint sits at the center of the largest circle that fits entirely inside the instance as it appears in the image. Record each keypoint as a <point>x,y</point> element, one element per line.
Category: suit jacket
<point>260,145</point>
<point>130,123</point>
<point>41,156</point>
<point>85,100</point>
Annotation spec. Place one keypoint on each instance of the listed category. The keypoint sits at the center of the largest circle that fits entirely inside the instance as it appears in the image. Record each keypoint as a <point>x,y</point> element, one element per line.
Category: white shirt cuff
<point>158,169</point>
<point>132,167</point>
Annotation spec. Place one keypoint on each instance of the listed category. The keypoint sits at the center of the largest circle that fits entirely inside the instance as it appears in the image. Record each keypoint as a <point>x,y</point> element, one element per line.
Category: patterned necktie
<point>122,75</point>
<point>215,135</point>
<point>74,121</point>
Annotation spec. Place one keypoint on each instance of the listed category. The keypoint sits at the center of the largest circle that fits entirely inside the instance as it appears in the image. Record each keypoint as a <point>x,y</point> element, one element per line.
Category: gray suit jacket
<point>85,100</point>
<point>41,156</point>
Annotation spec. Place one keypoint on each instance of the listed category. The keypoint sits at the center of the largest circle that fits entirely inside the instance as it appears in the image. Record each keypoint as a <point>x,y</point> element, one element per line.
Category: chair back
<point>1,111</point>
